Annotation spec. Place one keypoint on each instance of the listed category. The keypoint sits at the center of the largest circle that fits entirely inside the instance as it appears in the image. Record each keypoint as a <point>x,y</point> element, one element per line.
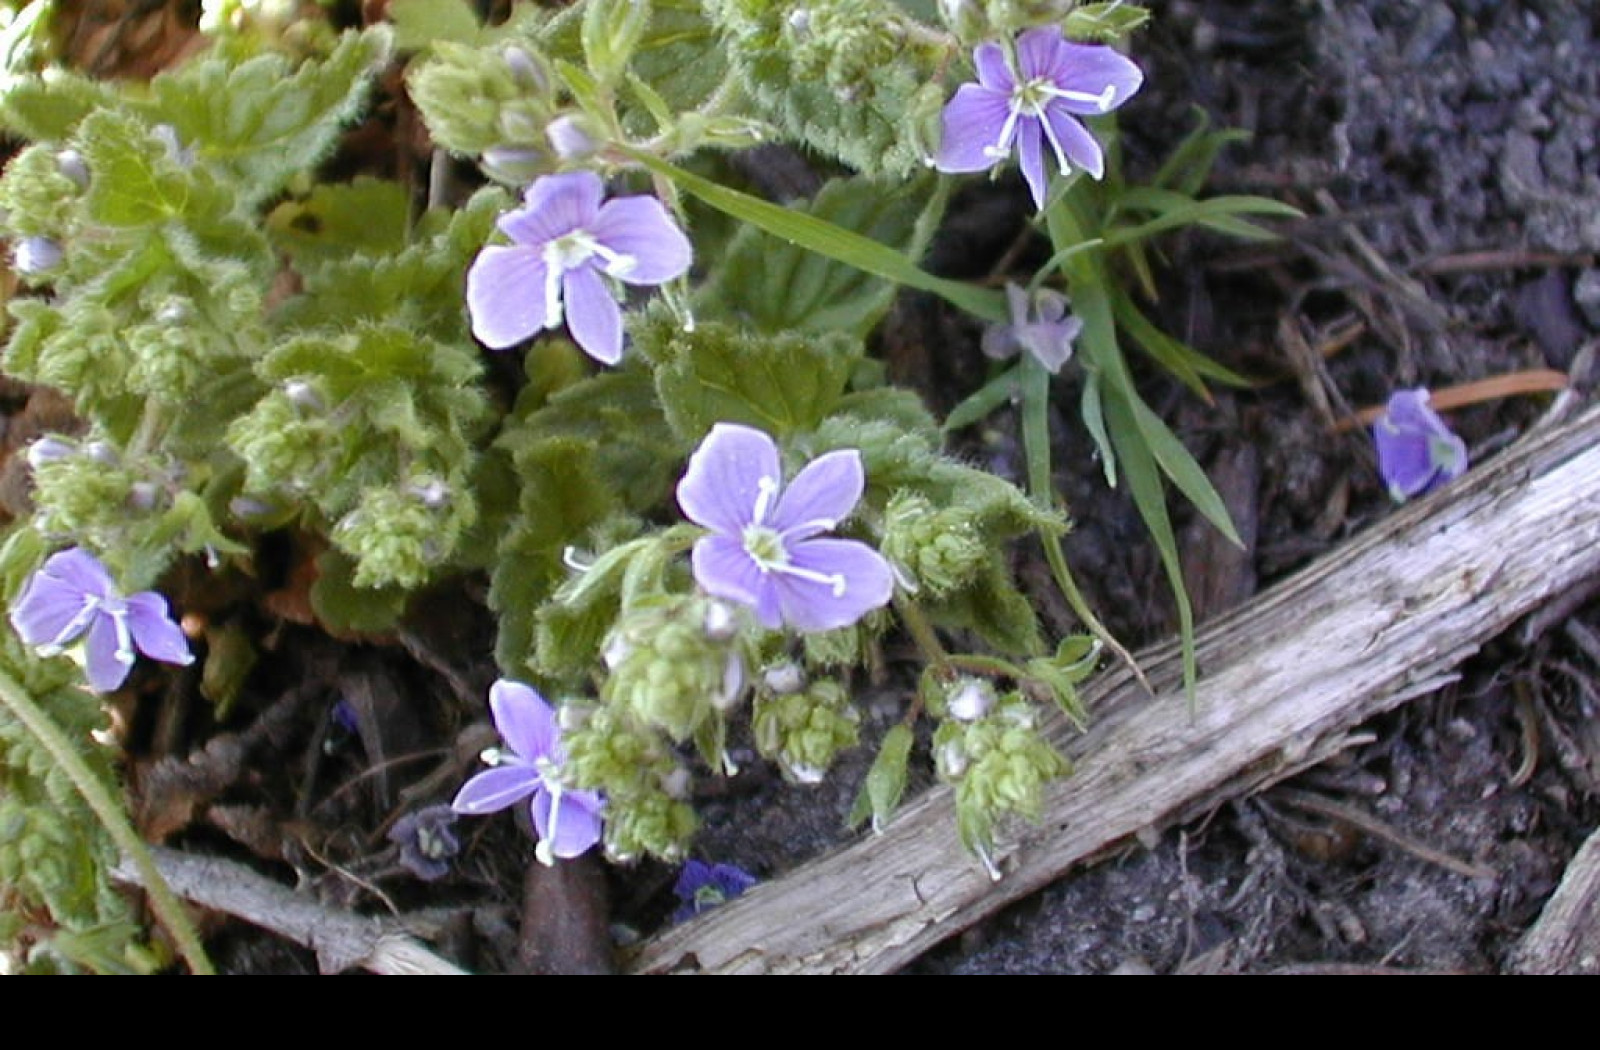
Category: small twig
<point>340,939</point>
<point>1529,381</point>
<point>1370,825</point>
<point>1501,259</point>
<point>1528,722</point>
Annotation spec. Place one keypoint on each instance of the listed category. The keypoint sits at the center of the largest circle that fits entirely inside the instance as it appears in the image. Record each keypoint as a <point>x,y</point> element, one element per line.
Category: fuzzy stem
<point>114,820</point>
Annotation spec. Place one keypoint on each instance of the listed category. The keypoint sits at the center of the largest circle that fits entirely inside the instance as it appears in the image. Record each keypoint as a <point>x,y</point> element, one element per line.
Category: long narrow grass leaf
<point>981,402</point>
<point>825,238</point>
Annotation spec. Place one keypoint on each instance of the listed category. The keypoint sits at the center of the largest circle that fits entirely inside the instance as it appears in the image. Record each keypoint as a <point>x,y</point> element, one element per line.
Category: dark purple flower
<point>764,550</point>
<point>1416,450</point>
<point>568,821</point>
<point>72,596</point>
<point>427,841</point>
<point>565,242</point>
<point>701,886</point>
<point>1034,100</point>
<point>1040,326</point>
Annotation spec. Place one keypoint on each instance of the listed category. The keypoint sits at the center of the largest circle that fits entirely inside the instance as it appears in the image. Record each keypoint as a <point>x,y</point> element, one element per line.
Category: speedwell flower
<point>72,596</point>
<point>565,242</point>
<point>764,550</point>
<point>1040,326</point>
<point>1416,450</point>
<point>701,886</point>
<point>1032,101</point>
<point>567,820</point>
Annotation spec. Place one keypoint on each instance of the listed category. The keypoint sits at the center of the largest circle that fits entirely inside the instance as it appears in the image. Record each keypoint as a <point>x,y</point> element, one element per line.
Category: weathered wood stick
<point>1385,618</point>
<point>1566,939</point>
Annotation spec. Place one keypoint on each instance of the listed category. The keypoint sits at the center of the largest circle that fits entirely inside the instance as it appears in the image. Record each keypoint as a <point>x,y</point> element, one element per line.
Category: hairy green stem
<point>111,816</point>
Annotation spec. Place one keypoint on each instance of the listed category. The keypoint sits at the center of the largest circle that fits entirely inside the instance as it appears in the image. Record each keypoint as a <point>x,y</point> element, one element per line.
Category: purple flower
<point>1039,325</point>
<point>1416,450</point>
<point>565,242</point>
<point>701,886</point>
<point>72,595</point>
<point>427,841</point>
<point>763,551</point>
<point>567,820</point>
<point>1032,101</point>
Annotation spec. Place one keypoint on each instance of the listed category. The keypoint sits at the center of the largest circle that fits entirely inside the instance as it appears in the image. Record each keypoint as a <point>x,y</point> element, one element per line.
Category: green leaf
<point>1174,210</point>
<point>776,285</point>
<point>1092,408</point>
<point>262,121</point>
<point>342,607</point>
<point>44,109</point>
<point>418,24</point>
<point>1189,365</point>
<point>1000,390</point>
<point>783,383</point>
<point>886,781</point>
<point>366,217</point>
<point>1104,22</point>
<point>137,182</point>
<point>829,240</point>
<point>1189,165</point>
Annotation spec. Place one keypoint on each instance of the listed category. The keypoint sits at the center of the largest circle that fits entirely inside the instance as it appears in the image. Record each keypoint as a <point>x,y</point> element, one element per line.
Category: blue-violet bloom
<point>565,242</point>
<point>72,596</point>
<point>1416,450</point>
<point>764,550</point>
<point>427,841</point>
<point>701,886</point>
<point>1036,100</point>
<point>568,821</point>
<point>1040,326</point>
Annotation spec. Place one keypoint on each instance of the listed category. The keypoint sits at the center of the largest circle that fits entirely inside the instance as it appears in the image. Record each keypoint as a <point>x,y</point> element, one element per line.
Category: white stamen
<point>545,851</point>
<point>618,264</point>
<point>119,619</point>
<point>553,269</point>
<point>570,558</point>
<point>766,488</point>
<point>1002,148</point>
<point>73,628</point>
<point>1101,102</point>
<point>1055,144</point>
<point>834,579</point>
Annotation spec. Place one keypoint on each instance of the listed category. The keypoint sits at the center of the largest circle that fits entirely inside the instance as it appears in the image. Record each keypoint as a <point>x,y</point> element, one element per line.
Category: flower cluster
<point>72,596</point>
<point>564,243</point>
<point>1416,450</point>
<point>1033,98</point>
<point>567,821</point>
<point>765,549</point>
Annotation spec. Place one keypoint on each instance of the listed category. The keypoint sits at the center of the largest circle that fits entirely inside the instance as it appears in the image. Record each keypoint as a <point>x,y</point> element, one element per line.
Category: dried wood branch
<point>1386,618</point>
<point>1566,939</point>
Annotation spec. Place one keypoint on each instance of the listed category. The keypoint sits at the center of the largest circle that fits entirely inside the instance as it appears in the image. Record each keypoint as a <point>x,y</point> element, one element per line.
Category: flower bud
<point>49,449</point>
<point>569,138</point>
<point>70,163</point>
<point>783,678</point>
<point>33,256</point>
<point>514,165</point>
<point>526,71</point>
<point>970,700</point>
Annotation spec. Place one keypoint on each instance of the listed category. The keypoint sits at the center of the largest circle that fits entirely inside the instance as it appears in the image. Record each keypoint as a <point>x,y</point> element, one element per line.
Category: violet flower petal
<point>1031,155</point>
<point>821,496</point>
<point>821,604</point>
<point>105,662</point>
<point>1417,451</point>
<point>726,477</point>
<point>578,821</point>
<point>641,229</point>
<point>971,130</point>
<point>989,59</point>
<point>725,569</point>
<point>593,317</point>
<point>154,632</point>
<point>496,788</point>
<point>553,207</point>
<point>524,720</point>
<point>50,611</point>
<point>1081,148</point>
<point>505,295</point>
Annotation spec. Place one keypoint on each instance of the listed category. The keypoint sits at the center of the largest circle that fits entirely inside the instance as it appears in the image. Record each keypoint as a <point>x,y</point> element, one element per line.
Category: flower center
<point>766,548</point>
<point>571,251</point>
<point>1030,99</point>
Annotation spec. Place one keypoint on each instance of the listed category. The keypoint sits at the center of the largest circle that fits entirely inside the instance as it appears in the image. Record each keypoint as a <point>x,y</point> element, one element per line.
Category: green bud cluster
<point>40,193</point>
<point>675,663</point>
<point>644,785</point>
<point>804,730</point>
<point>399,536</point>
<point>477,99</point>
<point>998,761</point>
<point>92,493</point>
<point>939,549</point>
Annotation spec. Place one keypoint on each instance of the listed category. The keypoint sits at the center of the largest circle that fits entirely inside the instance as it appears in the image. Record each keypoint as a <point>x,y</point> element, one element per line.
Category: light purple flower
<point>568,821</point>
<point>701,886</point>
<point>1040,325</point>
<point>1033,101</point>
<point>764,549</point>
<point>1416,450</point>
<point>72,596</point>
<point>565,242</point>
